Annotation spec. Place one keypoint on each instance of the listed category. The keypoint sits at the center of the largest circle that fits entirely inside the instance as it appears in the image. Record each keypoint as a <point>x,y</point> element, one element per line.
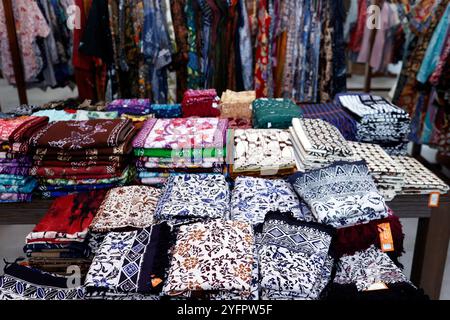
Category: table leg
<point>435,253</point>
<point>419,250</point>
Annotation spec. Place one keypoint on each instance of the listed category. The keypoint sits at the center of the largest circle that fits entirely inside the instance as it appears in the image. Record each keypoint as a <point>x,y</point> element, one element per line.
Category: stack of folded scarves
<point>213,259</point>
<point>386,173</point>
<point>318,143</point>
<point>237,108</point>
<point>378,121</point>
<point>334,114</point>
<point>194,196</point>
<point>137,107</point>
<point>260,152</point>
<point>341,195</point>
<point>293,258</point>
<point>277,113</point>
<point>73,156</point>
<point>418,178</point>
<point>15,183</point>
<point>200,103</point>
<point>62,236</point>
<point>370,275</point>
<point>167,147</point>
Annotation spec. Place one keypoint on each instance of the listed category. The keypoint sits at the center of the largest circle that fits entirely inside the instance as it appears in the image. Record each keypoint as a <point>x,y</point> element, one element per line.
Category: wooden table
<point>430,252</point>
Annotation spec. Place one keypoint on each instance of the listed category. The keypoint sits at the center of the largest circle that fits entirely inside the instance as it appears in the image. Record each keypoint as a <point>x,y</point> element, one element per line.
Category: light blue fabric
<point>26,188</point>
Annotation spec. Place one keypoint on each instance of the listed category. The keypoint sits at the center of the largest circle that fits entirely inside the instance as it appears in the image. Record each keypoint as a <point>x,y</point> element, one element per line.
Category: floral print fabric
<point>214,256</point>
<point>194,196</point>
<point>126,207</point>
<point>341,194</point>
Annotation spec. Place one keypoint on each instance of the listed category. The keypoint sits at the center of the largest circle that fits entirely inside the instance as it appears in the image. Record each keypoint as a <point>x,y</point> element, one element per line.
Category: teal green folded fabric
<point>13,180</point>
<point>26,188</point>
<point>168,153</point>
<point>274,113</point>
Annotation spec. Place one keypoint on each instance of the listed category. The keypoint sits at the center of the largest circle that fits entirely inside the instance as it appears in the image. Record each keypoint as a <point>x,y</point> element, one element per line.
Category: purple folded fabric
<point>16,170</point>
<point>25,160</point>
<point>130,106</point>
<point>15,197</point>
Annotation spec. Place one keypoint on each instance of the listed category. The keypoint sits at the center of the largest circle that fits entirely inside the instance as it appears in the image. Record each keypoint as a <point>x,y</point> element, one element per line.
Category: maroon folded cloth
<point>80,163</point>
<point>200,103</point>
<point>21,128</point>
<point>63,172</point>
<point>81,135</point>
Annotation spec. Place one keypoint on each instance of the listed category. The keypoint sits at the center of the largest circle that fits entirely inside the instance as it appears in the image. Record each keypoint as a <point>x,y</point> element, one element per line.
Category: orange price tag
<point>433,201</point>
<point>387,243</point>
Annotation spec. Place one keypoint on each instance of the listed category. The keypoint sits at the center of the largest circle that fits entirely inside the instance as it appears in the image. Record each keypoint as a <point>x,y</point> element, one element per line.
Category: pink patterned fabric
<point>30,24</point>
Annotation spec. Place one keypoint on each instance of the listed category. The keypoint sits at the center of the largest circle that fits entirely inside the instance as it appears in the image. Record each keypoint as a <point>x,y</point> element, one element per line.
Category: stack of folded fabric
<point>341,195</point>
<point>252,198</point>
<point>71,156</point>
<point>200,103</point>
<point>378,121</point>
<point>194,196</point>
<point>274,113</point>
<point>237,108</point>
<point>166,111</point>
<point>62,237</point>
<point>79,115</point>
<point>418,179</point>
<point>334,114</point>
<point>318,143</point>
<point>387,174</point>
<point>370,275</point>
<point>215,260</point>
<point>183,145</point>
<point>15,183</point>
<point>293,258</point>
<point>138,107</point>
<point>130,265</point>
<point>260,152</point>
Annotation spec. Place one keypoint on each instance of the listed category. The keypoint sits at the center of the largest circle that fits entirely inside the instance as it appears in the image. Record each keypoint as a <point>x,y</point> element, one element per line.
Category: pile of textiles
<point>386,173</point>
<point>260,152</point>
<point>274,113</point>
<point>16,185</point>
<point>370,275</point>
<point>237,108</point>
<point>293,258</point>
<point>334,114</point>
<point>194,196</point>
<point>62,237</point>
<point>78,115</point>
<point>378,121</point>
<point>130,264</point>
<point>166,110</point>
<point>318,143</point>
<point>72,156</point>
<point>200,103</point>
<point>138,121</point>
<point>213,259</point>
<point>182,145</point>
<point>136,107</point>
<point>418,179</point>
<point>341,195</point>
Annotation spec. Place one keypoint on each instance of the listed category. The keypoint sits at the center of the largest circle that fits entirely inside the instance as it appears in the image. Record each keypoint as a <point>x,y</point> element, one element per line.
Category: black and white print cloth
<point>252,198</point>
<point>293,257</point>
<point>368,267</point>
<point>387,174</point>
<point>130,262</point>
<point>341,195</point>
<point>418,179</point>
<point>194,196</point>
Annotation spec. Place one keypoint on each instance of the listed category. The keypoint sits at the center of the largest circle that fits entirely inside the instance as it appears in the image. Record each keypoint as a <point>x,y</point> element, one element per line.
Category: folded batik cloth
<point>28,187</point>
<point>16,170</point>
<point>419,179</point>
<point>334,114</point>
<point>237,105</point>
<point>67,219</point>
<point>212,257</point>
<point>252,198</point>
<point>165,111</point>
<point>112,162</point>
<point>76,188</point>
<point>130,106</point>
<point>81,135</point>
<point>387,174</point>
<point>200,103</point>
<point>239,123</point>
<point>15,197</point>
<point>14,180</point>
<point>24,283</point>
<point>183,137</point>
<point>340,195</point>
<point>274,113</point>
<point>21,128</point>
<point>126,208</point>
<point>267,152</point>
<point>77,172</point>
<point>293,257</point>
<point>194,196</point>
<point>78,115</point>
<point>126,176</point>
<point>131,262</point>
